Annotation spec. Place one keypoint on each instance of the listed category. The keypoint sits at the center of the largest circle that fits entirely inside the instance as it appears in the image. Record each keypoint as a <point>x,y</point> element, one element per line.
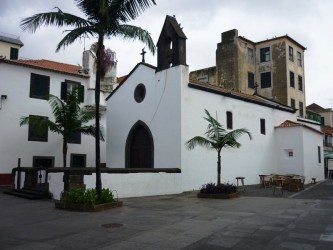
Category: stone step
<point>28,194</point>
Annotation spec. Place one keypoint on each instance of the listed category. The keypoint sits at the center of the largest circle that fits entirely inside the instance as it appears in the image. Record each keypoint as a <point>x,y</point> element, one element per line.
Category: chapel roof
<point>289,124</point>
<point>255,98</point>
<point>48,65</point>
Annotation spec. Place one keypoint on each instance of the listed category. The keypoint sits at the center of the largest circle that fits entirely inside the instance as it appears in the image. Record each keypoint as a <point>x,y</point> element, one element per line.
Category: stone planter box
<point>219,196</point>
<point>87,208</point>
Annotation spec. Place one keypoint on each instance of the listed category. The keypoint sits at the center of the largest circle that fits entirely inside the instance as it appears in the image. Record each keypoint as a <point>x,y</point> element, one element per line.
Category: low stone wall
<point>125,185</point>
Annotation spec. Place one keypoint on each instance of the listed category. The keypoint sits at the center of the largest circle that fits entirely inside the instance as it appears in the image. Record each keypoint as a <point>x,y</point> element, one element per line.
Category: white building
<point>157,109</point>
<point>23,87</point>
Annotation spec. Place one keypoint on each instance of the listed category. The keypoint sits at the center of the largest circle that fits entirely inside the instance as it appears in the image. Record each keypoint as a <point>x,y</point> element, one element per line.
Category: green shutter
<point>63,91</point>
<point>81,93</point>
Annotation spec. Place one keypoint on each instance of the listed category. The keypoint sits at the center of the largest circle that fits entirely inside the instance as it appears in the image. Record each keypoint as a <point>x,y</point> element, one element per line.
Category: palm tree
<point>70,120</point>
<point>217,138</point>
<point>105,19</point>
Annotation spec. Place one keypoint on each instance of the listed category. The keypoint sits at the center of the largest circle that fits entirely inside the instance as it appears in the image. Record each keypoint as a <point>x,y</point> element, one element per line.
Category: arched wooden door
<point>140,147</point>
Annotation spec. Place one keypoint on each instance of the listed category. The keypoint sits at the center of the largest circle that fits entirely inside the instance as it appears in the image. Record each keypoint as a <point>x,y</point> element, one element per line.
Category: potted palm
<point>217,138</point>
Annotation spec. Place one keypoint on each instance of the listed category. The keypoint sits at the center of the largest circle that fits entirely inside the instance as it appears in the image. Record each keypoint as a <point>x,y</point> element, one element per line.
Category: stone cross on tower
<point>143,55</point>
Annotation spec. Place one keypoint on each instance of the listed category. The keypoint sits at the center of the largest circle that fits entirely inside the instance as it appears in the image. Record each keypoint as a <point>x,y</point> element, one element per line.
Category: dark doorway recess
<point>139,147</point>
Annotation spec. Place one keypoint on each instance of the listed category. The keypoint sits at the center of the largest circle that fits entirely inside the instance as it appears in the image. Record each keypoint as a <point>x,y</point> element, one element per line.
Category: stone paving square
<point>256,220</point>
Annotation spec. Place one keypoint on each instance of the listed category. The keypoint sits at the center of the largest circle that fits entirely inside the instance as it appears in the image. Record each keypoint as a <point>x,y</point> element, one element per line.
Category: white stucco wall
<point>138,184</point>
<point>253,158</point>
<point>56,184</point>
<point>304,144</point>
<point>174,113</point>
<point>290,139</point>
<point>313,168</point>
<point>159,111</point>
<point>15,83</point>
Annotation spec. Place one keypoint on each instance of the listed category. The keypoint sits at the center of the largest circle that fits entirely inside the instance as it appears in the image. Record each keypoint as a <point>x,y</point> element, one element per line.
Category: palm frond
<point>229,140</point>
<point>128,10</point>
<point>56,18</point>
<point>214,129</point>
<point>74,34</point>
<point>130,32</point>
<point>198,141</point>
<point>24,120</point>
<point>216,137</point>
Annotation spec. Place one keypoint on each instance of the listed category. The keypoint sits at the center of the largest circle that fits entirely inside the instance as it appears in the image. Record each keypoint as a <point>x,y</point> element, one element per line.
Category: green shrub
<point>87,196</point>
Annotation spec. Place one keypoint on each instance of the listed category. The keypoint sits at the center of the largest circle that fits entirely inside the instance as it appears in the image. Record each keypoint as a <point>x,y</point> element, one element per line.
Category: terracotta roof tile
<point>288,124</point>
<point>120,79</point>
<point>327,129</point>
<point>49,65</point>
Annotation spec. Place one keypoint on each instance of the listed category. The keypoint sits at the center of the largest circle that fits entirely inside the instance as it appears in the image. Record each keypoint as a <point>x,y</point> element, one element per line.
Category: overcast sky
<point>307,21</point>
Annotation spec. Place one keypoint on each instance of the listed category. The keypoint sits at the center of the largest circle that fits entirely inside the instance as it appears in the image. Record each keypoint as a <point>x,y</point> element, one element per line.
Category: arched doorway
<point>139,147</point>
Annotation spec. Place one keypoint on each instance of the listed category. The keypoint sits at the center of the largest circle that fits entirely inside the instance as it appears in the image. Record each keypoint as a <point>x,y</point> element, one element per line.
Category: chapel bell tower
<point>171,45</point>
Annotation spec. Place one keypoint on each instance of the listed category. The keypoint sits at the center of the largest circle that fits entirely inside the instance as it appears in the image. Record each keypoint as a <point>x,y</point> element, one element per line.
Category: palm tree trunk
<point>64,153</point>
<point>64,158</point>
<point>97,135</point>
<point>218,168</point>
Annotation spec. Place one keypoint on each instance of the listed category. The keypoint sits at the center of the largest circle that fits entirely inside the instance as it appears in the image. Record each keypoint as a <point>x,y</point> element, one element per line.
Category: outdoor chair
<point>267,182</point>
<point>278,184</point>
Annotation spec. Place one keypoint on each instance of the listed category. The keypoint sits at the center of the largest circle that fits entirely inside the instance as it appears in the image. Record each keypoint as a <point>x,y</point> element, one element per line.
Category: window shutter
<point>63,91</point>
<point>81,93</point>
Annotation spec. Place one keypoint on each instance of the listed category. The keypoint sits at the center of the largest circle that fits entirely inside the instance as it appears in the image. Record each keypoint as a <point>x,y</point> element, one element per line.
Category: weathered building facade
<point>273,68</point>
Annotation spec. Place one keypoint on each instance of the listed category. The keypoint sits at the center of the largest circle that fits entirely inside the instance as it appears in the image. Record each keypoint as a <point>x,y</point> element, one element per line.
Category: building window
<point>265,54</point>
<point>69,86</point>
<point>319,154</point>
<point>266,80</point>
<point>299,58</point>
<point>39,86</point>
<point>250,80</point>
<point>300,83</point>
<point>78,161</point>
<point>13,54</point>
<point>289,153</point>
<point>291,53</point>
<point>328,140</point>
<point>74,137</point>
<point>292,79</point>
<point>292,103</point>
<point>229,120</point>
<point>43,161</point>
<point>38,130</point>
<point>250,55</point>
<point>301,112</point>
<point>139,93</point>
<point>262,126</point>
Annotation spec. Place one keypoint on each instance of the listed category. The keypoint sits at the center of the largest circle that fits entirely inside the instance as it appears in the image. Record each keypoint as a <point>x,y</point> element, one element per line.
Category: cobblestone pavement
<point>256,220</point>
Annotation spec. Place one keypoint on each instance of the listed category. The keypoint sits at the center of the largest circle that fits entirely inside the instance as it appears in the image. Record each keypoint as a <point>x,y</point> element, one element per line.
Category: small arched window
<point>229,120</point>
